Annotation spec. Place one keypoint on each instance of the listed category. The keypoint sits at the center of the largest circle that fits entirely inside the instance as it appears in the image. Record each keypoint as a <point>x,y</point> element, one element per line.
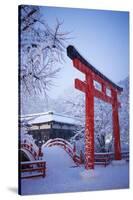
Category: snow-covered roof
<point>50,116</point>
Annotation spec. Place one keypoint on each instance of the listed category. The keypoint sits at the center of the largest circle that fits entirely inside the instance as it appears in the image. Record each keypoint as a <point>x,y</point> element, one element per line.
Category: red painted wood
<point>89,127</point>
<point>80,66</point>
<point>116,128</point>
<point>90,92</point>
<point>29,167</point>
<point>67,147</point>
<point>102,96</point>
<point>80,85</point>
<point>103,88</point>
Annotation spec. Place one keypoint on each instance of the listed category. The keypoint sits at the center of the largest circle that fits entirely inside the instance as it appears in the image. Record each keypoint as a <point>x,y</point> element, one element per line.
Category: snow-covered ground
<point>62,175</point>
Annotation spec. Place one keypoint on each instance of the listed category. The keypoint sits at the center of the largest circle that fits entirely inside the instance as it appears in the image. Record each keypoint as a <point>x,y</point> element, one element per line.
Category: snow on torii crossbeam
<point>91,75</point>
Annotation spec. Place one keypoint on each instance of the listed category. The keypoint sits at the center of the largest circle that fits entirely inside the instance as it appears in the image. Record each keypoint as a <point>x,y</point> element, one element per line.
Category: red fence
<point>35,152</point>
<point>30,149</point>
<point>102,158</point>
<point>106,158</point>
<point>99,158</point>
<point>32,169</point>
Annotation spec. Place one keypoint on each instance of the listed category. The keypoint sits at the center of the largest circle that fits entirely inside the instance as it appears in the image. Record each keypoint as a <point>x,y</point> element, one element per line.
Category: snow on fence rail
<point>30,149</point>
<point>107,157</point>
<point>57,139</point>
<point>100,158</point>
<point>28,139</point>
<point>124,154</point>
<point>71,150</point>
<point>32,169</point>
<point>28,144</point>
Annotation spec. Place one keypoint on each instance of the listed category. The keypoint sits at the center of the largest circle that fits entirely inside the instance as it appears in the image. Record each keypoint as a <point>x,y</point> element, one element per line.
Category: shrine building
<point>49,125</point>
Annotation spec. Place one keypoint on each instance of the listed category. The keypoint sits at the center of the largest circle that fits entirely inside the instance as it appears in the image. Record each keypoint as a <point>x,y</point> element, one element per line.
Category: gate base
<point>118,162</point>
<point>89,174</point>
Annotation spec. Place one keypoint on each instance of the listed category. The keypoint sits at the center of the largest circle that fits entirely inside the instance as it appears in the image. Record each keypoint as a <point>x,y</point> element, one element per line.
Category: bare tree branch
<point>41,49</point>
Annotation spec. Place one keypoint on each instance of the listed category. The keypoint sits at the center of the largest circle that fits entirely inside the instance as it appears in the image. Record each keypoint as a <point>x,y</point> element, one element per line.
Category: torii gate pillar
<point>87,86</point>
<point>89,125</point>
<point>116,127</point>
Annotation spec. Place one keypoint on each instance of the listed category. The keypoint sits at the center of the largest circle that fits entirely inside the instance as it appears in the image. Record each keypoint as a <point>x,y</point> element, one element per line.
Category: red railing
<point>102,159</point>
<point>30,148</point>
<point>106,158</point>
<point>31,169</point>
<point>71,150</point>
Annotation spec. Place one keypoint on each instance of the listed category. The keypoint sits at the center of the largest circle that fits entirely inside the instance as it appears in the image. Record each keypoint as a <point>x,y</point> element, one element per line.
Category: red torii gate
<point>91,75</point>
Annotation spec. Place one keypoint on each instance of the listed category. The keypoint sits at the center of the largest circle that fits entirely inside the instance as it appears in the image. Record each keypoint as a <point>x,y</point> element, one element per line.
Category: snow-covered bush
<point>25,137</point>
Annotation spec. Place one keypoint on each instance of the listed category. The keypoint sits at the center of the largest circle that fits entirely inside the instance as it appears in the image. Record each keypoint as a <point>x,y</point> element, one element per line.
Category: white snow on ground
<point>62,175</point>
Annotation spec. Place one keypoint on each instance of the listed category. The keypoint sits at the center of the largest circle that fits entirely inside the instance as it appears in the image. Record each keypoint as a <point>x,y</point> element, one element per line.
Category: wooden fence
<point>106,158</point>
<point>30,169</point>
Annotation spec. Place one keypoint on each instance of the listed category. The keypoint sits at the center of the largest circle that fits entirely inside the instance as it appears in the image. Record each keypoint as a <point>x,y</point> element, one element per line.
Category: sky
<point>102,38</point>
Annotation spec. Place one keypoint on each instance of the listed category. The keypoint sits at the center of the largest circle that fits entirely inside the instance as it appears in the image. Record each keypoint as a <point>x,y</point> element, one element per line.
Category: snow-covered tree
<point>124,114</point>
<point>41,47</point>
<point>103,125</point>
<point>74,105</point>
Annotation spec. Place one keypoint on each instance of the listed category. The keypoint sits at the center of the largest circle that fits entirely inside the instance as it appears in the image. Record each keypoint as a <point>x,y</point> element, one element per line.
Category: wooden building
<point>49,125</point>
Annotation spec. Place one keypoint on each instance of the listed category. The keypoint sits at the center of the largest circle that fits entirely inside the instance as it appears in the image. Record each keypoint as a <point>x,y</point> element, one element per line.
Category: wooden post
<point>89,127</point>
<point>116,127</point>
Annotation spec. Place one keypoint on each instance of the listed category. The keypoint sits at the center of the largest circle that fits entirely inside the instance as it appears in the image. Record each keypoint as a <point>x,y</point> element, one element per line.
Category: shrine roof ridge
<point>72,53</point>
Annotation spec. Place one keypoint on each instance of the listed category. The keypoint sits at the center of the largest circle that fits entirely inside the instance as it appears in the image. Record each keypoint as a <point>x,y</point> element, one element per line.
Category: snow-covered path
<point>63,176</point>
<point>56,156</point>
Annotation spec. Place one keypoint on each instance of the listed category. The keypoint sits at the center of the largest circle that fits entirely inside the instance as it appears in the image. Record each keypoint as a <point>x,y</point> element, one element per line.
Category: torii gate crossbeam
<point>91,75</point>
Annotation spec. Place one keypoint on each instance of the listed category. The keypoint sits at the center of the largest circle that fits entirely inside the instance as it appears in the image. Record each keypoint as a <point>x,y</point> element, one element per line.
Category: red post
<point>90,92</point>
<point>116,127</point>
<point>89,128</point>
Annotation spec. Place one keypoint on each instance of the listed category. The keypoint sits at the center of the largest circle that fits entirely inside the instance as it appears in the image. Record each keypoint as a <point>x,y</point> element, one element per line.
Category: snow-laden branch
<point>41,48</point>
